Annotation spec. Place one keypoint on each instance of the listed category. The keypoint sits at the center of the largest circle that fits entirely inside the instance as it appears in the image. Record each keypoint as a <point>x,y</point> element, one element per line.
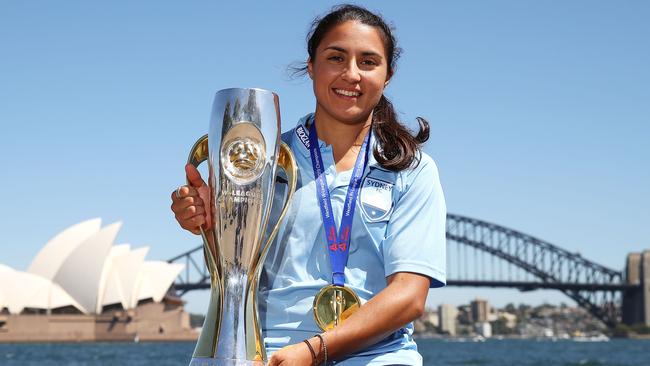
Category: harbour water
<point>617,352</point>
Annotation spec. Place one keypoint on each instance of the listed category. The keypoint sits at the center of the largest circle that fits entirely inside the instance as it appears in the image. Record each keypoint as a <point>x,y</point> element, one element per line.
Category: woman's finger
<point>192,223</point>
<point>178,193</point>
<point>179,206</point>
<point>191,211</point>
<point>189,214</point>
<point>184,191</point>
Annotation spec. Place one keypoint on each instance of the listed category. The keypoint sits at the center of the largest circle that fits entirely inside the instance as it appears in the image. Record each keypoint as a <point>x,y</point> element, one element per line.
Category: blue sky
<point>539,111</point>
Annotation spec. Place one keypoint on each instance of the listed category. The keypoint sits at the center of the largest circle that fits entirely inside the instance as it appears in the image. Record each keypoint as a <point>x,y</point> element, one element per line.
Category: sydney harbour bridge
<point>482,254</point>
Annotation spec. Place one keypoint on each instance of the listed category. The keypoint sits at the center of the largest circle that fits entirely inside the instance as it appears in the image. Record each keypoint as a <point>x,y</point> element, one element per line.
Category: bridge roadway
<point>520,285</point>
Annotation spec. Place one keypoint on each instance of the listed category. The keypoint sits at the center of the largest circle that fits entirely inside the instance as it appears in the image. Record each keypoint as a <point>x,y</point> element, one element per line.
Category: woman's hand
<point>292,355</point>
<point>189,203</point>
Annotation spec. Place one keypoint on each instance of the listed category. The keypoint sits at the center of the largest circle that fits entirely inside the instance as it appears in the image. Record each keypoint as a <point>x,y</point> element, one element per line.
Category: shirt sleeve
<point>415,237</point>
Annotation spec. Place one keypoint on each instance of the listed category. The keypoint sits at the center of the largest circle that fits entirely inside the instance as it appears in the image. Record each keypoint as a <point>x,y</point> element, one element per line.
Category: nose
<point>351,74</point>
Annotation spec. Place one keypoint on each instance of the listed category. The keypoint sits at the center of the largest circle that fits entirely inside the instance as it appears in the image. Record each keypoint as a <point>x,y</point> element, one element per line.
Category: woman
<point>396,237</point>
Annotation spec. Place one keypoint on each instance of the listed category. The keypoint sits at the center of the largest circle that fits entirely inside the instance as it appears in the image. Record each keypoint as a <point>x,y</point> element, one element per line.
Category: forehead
<point>354,36</point>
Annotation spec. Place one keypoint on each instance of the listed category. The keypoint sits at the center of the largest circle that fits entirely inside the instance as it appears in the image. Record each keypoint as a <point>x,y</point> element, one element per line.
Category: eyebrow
<point>364,53</point>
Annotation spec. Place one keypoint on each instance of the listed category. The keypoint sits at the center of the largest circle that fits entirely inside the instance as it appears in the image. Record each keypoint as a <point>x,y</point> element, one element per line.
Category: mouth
<point>347,93</point>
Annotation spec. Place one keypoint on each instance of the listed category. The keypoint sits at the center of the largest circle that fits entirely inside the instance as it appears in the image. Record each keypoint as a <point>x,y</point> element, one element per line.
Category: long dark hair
<point>398,149</point>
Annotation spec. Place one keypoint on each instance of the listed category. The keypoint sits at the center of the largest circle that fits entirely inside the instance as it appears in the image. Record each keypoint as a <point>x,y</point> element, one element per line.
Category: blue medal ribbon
<point>338,245</point>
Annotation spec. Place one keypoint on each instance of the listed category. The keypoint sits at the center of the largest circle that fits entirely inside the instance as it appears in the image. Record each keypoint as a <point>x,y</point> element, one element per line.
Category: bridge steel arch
<point>592,286</point>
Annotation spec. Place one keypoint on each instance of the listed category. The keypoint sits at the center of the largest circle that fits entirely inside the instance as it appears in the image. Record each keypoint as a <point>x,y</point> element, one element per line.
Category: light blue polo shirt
<point>398,226</point>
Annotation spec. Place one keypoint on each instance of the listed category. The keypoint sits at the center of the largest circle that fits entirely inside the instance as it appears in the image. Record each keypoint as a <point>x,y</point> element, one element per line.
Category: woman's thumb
<point>193,176</point>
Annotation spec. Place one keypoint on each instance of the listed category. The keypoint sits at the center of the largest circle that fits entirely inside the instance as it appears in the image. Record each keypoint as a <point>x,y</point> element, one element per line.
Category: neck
<point>343,137</point>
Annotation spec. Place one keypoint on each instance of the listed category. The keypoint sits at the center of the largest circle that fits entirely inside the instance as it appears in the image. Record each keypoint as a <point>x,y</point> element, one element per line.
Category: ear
<point>310,68</point>
<point>390,75</point>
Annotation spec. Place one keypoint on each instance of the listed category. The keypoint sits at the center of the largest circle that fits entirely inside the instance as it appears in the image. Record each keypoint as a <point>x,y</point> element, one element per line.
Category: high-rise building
<point>480,310</point>
<point>447,314</point>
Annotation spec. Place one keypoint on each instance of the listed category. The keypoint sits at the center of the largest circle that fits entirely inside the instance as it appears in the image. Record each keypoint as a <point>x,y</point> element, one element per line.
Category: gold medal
<point>333,305</point>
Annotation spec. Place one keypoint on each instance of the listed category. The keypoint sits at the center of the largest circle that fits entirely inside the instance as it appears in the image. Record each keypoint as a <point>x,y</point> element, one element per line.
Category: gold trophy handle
<point>198,154</point>
<point>287,162</point>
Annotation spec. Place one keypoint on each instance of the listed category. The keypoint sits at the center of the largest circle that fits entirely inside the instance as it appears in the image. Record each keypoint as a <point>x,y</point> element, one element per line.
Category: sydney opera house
<point>82,287</point>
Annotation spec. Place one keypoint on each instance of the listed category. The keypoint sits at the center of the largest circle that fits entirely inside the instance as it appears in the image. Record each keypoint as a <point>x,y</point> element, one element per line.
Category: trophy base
<point>200,361</point>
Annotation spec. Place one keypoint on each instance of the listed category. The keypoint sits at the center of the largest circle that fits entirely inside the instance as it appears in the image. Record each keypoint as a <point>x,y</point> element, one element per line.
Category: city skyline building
<point>447,315</point>
<point>480,310</point>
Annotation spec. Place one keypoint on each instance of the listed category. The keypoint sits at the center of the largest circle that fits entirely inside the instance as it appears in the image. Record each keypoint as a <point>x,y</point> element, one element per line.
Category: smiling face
<point>349,72</point>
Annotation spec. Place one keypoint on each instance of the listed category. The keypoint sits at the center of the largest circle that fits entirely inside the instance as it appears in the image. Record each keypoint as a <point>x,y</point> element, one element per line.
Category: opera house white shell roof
<point>81,267</point>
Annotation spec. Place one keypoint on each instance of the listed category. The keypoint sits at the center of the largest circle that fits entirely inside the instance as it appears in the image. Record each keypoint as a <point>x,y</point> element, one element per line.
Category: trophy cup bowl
<point>243,150</point>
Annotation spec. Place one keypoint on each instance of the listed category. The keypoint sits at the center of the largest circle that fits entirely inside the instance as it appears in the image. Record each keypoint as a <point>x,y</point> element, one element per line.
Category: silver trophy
<point>243,149</point>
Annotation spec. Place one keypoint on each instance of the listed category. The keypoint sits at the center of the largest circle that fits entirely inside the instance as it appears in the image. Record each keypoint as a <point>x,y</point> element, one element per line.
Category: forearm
<point>401,302</point>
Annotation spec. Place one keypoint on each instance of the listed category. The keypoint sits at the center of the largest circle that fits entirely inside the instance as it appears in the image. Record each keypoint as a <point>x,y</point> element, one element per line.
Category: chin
<point>354,121</point>
<point>349,115</point>
<point>352,118</point>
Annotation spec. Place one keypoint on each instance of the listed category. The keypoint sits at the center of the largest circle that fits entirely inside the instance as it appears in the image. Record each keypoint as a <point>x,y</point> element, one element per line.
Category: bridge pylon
<point>636,300</point>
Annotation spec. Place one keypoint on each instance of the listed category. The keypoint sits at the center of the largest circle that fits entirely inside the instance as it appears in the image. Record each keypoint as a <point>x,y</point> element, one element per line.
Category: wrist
<point>321,349</point>
<point>315,348</point>
<point>312,351</point>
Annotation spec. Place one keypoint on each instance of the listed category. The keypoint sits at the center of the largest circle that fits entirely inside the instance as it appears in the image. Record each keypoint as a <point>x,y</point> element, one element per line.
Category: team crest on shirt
<point>376,198</point>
